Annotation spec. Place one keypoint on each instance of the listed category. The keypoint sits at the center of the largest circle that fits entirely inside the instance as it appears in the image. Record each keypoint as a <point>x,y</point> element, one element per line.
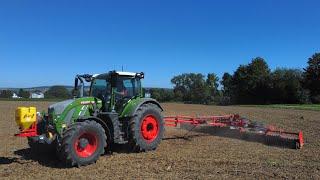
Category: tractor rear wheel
<point>146,128</point>
<point>82,143</point>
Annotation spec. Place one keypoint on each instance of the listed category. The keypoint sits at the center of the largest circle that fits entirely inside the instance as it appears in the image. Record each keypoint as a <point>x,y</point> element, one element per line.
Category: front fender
<point>104,125</point>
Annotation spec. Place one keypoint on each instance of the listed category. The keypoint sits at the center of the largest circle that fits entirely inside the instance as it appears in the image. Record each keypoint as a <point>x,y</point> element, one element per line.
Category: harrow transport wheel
<point>146,128</point>
<point>82,143</point>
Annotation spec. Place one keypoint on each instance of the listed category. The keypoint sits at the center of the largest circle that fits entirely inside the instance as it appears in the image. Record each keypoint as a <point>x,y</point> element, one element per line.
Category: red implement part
<point>234,121</point>
<point>295,138</point>
<point>31,132</point>
<point>216,121</point>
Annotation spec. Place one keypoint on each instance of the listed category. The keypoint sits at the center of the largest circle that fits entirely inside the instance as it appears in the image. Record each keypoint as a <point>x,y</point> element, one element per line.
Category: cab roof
<point>120,73</point>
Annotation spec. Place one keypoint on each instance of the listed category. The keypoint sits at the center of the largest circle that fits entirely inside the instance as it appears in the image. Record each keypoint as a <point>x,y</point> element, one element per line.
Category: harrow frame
<point>245,126</point>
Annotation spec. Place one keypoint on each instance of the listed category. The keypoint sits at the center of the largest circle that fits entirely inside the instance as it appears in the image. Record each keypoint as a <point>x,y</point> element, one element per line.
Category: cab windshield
<point>100,88</point>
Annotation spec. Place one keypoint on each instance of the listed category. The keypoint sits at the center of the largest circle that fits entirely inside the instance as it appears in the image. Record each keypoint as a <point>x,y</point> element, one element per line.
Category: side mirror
<point>147,93</point>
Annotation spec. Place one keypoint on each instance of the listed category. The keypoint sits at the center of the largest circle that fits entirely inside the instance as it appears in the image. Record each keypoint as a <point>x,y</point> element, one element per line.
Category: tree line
<point>8,93</point>
<point>54,92</point>
<point>252,83</point>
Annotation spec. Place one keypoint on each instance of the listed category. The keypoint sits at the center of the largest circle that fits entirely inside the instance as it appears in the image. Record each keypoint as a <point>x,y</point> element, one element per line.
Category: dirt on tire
<point>200,154</point>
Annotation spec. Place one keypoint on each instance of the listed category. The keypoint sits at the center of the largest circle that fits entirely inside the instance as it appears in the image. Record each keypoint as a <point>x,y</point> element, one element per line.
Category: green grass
<point>313,107</point>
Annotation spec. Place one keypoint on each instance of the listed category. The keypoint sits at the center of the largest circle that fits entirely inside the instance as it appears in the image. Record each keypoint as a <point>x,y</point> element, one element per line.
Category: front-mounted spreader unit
<point>117,112</point>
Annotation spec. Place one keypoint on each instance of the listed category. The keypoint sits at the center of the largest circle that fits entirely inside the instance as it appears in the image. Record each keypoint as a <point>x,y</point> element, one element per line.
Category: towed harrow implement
<point>268,134</point>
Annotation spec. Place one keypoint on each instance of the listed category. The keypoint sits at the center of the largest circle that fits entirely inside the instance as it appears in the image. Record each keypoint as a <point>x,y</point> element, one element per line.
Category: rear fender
<point>145,101</point>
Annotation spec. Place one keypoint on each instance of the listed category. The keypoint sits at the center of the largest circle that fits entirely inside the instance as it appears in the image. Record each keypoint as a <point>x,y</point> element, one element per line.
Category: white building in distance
<point>37,95</point>
<point>15,96</point>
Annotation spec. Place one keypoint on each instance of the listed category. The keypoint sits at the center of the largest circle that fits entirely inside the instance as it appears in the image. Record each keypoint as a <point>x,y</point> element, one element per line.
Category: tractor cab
<point>115,88</point>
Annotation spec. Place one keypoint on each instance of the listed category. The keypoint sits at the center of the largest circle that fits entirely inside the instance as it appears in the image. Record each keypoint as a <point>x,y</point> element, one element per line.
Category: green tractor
<point>114,112</point>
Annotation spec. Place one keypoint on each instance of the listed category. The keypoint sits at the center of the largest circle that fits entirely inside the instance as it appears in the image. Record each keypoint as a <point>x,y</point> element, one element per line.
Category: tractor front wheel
<point>146,128</point>
<point>82,143</point>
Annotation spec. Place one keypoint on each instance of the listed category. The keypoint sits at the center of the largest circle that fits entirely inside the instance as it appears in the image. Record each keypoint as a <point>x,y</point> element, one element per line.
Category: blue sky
<point>48,42</point>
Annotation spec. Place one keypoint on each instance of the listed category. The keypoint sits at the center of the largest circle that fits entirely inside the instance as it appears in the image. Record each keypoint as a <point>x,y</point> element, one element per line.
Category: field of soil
<point>201,154</point>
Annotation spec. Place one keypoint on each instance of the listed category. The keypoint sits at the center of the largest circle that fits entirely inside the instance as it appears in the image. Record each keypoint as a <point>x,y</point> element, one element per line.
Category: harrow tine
<point>284,139</point>
<point>249,130</point>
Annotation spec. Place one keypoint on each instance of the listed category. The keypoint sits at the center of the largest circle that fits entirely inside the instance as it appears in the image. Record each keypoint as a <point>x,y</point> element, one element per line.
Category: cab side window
<point>128,86</point>
<point>127,83</point>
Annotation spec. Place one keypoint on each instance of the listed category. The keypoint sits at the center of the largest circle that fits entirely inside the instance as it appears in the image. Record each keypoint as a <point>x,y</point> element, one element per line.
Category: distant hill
<point>39,88</point>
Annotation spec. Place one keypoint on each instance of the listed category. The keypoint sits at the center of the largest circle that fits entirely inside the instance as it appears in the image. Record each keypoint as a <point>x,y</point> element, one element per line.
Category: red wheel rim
<point>149,128</point>
<point>86,144</point>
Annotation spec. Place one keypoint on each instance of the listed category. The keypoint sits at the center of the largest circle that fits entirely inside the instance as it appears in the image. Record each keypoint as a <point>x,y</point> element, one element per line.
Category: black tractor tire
<point>146,128</point>
<point>82,143</point>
